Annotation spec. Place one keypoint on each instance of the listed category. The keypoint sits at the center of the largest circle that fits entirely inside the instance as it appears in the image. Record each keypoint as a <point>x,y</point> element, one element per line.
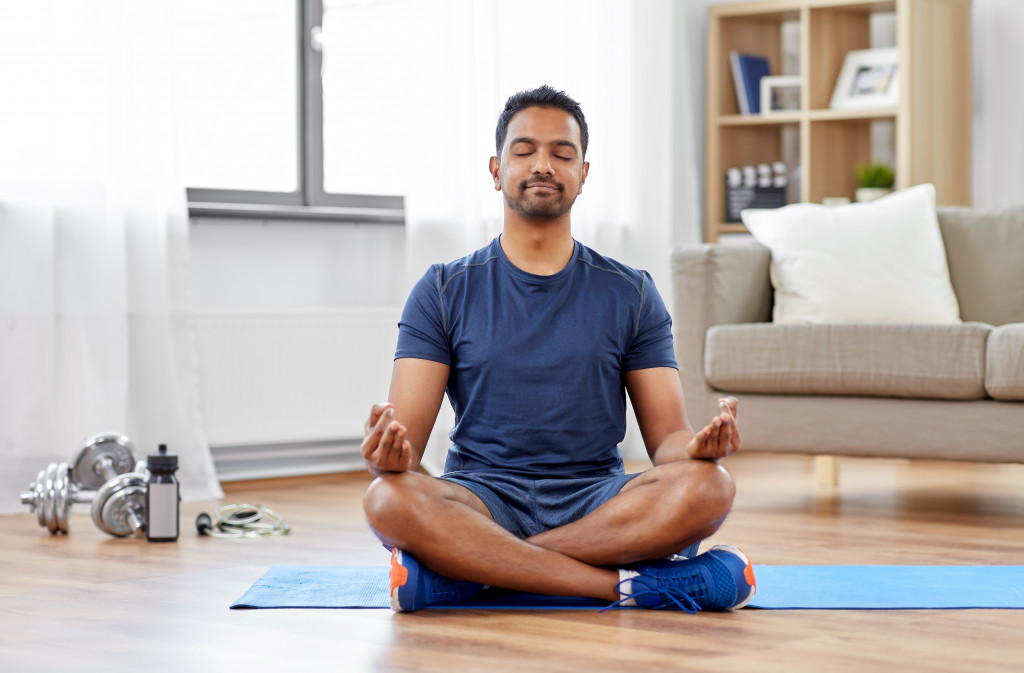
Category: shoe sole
<point>398,577</point>
<point>748,572</point>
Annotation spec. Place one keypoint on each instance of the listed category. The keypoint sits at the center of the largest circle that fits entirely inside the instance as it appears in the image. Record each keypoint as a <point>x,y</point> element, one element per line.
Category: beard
<point>539,207</point>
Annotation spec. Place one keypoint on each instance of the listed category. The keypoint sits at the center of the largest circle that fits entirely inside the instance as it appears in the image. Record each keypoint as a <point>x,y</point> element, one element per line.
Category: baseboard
<point>245,462</point>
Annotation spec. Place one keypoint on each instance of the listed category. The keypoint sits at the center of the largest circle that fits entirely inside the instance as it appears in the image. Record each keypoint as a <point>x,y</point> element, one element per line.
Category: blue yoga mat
<point>778,587</point>
<point>887,587</point>
<point>290,586</point>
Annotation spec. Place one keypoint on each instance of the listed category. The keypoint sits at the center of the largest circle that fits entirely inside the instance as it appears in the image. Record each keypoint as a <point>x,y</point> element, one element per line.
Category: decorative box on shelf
<point>763,186</point>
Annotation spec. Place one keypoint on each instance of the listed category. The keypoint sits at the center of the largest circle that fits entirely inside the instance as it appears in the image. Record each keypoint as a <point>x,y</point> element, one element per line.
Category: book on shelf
<point>747,71</point>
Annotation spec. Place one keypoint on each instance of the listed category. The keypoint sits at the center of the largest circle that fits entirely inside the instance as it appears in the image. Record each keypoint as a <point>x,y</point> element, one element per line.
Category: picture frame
<point>869,78</point>
<point>780,94</point>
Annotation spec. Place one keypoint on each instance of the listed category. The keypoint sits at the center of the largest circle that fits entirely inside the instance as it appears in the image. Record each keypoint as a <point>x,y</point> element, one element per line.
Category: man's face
<point>541,169</point>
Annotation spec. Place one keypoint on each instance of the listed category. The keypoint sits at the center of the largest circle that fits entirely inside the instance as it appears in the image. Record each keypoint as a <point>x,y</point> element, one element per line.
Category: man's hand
<point>720,437</point>
<point>385,447</point>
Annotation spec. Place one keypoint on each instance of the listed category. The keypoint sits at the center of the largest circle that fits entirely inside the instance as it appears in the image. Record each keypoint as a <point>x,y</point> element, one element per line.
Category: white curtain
<point>626,62</point>
<point>95,315</point>
<point>998,54</point>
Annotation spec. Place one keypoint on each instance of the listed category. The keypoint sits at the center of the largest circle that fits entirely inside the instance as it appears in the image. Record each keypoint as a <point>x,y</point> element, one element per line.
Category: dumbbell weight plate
<point>106,448</point>
<point>120,504</point>
<point>51,495</point>
<point>36,497</point>
<point>61,499</point>
<point>48,519</point>
<point>54,503</point>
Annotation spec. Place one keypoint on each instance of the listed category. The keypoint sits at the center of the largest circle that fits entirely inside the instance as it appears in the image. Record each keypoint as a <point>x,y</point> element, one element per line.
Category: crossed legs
<point>450,530</point>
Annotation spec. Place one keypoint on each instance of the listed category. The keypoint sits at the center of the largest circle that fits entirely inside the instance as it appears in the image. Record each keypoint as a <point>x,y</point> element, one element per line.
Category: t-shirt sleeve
<point>421,331</point>
<point>652,341</point>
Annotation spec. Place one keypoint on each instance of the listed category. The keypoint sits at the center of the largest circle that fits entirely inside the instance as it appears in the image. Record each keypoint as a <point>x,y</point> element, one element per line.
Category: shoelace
<point>673,589</point>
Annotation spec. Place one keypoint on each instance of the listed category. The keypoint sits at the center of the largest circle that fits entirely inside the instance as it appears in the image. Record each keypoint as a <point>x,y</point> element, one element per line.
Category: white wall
<point>239,264</point>
<point>295,329</point>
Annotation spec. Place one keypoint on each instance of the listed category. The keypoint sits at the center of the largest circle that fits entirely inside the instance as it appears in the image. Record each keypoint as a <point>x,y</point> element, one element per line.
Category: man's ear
<point>586,171</point>
<point>493,166</point>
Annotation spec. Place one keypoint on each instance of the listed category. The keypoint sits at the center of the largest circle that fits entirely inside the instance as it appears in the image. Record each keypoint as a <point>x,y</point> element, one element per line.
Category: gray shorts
<point>526,506</point>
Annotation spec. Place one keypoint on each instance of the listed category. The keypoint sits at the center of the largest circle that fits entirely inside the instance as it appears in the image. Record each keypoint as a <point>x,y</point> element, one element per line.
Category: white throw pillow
<point>876,262</point>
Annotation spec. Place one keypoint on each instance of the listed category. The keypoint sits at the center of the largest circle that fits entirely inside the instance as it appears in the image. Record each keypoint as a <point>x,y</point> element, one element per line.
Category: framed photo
<point>780,94</point>
<point>869,78</point>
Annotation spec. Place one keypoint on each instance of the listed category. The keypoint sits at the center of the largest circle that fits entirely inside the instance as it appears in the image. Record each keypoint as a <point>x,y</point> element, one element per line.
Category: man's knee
<point>702,484</point>
<point>716,487</point>
<point>386,497</point>
<point>402,506</point>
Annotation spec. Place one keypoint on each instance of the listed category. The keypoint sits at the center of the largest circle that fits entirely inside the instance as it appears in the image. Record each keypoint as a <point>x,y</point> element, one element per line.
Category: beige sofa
<point>912,391</point>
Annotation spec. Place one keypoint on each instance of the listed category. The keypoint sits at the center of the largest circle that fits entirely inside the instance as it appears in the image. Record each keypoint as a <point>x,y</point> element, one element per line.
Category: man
<point>537,339</point>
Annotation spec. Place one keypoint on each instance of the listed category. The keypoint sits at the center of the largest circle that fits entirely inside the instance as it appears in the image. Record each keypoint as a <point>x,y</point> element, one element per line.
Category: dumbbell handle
<point>77,496</point>
<point>137,519</point>
<point>104,468</point>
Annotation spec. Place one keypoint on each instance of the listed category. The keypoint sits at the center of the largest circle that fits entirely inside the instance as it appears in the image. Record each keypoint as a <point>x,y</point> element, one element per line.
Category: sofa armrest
<point>714,284</point>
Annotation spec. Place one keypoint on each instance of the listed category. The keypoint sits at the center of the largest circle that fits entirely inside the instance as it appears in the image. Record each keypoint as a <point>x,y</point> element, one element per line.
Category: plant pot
<point>864,194</point>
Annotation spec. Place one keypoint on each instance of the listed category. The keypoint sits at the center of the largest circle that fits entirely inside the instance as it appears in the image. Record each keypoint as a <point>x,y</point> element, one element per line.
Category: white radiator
<point>286,392</point>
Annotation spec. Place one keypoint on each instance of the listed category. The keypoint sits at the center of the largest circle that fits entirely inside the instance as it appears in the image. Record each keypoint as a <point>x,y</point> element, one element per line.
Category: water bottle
<point>162,500</point>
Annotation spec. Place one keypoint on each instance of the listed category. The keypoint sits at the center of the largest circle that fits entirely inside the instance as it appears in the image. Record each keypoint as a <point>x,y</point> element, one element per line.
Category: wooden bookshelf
<point>931,124</point>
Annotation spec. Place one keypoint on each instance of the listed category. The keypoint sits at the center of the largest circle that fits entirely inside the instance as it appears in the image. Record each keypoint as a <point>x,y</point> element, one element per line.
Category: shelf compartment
<point>836,148</point>
<point>760,34</point>
<point>747,145</point>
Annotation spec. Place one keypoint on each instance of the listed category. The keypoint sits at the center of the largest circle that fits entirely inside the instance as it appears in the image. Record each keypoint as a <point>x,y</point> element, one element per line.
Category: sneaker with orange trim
<point>721,578</point>
<point>414,587</point>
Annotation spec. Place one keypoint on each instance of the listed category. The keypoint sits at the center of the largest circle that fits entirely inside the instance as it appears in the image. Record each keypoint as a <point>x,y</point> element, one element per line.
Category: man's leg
<point>656,514</point>
<point>450,530</point>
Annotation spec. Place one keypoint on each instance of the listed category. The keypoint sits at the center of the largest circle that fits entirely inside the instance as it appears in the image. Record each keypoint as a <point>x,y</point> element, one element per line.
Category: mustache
<point>541,181</point>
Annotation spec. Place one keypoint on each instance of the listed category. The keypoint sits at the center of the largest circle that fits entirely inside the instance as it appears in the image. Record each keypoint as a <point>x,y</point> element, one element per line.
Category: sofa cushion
<point>985,250</point>
<point>919,361</point>
<point>1004,369</point>
<point>877,262</point>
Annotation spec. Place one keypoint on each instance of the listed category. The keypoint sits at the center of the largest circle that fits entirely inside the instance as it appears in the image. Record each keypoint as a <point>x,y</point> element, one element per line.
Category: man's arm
<point>396,432</point>
<point>657,398</point>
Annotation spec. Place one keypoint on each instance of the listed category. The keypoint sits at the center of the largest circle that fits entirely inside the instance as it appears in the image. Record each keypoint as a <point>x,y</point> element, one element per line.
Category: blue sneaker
<point>719,579</point>
<point>414,587</point>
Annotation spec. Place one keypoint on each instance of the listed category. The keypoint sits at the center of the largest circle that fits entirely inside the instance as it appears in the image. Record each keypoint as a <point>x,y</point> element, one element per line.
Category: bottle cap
<point>162,460</point>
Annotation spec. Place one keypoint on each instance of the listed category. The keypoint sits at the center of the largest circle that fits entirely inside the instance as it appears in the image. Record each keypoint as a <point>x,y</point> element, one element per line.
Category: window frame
<point>309,201</point>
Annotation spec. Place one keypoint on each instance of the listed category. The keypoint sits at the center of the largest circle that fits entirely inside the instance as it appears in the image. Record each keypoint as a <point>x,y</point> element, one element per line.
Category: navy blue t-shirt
<point>537,362</point>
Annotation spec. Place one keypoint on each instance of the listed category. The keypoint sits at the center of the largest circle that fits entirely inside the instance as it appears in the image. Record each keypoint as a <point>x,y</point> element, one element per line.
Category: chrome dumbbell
<point>100,460</point>
<point>51,495</point>
<point>119,507</point>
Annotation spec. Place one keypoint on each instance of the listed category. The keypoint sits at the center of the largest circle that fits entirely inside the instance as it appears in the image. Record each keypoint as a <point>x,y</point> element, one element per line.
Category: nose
<point>541,163</point>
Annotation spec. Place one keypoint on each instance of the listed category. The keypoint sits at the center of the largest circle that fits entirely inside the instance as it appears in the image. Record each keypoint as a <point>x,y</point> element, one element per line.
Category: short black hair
<point>542,96</point>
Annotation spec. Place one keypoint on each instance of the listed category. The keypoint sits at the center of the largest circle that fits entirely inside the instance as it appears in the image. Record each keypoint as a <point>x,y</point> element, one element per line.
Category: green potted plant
<point>875,180</point>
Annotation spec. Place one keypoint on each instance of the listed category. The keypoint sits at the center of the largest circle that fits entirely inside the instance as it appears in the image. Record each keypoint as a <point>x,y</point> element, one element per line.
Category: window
<point>287,107</point>
<point>364,49</point>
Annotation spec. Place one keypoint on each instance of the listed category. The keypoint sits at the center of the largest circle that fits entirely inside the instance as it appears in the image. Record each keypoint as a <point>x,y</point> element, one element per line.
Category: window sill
<point>262,211</point>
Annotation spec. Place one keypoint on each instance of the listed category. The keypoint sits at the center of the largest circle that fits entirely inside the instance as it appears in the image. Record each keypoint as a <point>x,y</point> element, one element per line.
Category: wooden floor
<point>89,602</point>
